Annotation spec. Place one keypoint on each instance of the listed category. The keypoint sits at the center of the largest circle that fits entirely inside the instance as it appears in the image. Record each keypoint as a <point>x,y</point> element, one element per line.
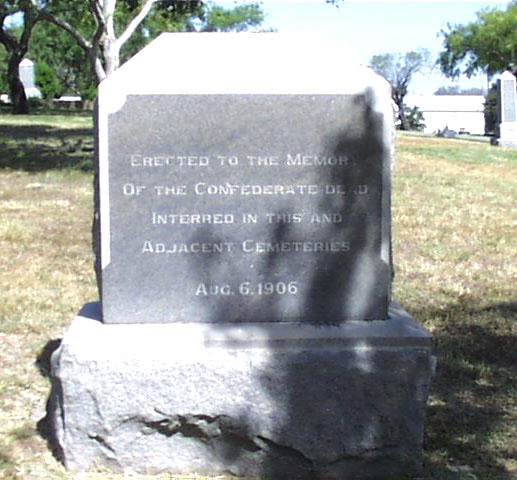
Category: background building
<point>461,113</point>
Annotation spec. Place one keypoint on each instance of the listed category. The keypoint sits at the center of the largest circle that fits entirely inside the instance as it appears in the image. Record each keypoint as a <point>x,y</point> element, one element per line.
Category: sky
<point>376,27</point>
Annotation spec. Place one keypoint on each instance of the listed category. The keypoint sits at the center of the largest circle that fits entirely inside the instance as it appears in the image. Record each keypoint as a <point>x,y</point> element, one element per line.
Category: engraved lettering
<point>335,189</point>
<point>139,160</point>
<point>316,160</point>
<point>249,218</point>
<point>224,160</point>
<point>284,217</point>
<point>253,246</point>
<point>326,218</point>
<point>202,188</point>
<point>268,288</point>
<point>194,247</point>
<point>192,161</point>
<point>361,190</point>
<point>262,161</point>
<point>192,218</point>
<point>203,290</point>
<point>172,190</point>
<point>129,189</point>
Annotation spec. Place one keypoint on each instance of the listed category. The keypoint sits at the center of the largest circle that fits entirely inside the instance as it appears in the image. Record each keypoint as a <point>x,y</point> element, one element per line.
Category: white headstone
<point>26,70</point>
<point>506,132</point>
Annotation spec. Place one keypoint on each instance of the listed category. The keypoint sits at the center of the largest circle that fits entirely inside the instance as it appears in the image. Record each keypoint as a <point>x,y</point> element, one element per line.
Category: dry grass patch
<point>45,276</point>
<point>455,224</point>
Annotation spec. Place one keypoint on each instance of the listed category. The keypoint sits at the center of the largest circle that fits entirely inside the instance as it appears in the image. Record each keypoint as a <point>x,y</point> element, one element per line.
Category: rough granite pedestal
<point>275,400</point>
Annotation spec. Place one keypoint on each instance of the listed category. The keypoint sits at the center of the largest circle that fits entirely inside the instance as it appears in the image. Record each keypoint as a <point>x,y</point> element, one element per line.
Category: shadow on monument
<point>298,442</point>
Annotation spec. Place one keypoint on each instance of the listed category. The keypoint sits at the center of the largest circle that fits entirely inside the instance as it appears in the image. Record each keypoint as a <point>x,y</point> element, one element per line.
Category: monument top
<point>507,75</point>
<point>242,63</point>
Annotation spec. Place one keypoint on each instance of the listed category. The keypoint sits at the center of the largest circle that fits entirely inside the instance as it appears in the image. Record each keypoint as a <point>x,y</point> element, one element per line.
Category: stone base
<point>274,400</point>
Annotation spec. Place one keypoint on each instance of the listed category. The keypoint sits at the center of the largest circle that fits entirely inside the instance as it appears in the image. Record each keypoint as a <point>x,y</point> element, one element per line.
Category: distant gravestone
<point>27,77</point>
<point>506,130</point>
<point>27,73</point>
<point>245,270</point>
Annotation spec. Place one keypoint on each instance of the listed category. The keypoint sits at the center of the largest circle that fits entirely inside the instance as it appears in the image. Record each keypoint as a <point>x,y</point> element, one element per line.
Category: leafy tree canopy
<point>72,62</point>
<point>398,70</point>
<point>110,31</point>
<point>489,44</point>
<point>238,19</point>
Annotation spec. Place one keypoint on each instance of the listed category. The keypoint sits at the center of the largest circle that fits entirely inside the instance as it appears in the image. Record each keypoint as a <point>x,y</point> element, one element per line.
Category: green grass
<point>455,225</point>
<point>460,149</point>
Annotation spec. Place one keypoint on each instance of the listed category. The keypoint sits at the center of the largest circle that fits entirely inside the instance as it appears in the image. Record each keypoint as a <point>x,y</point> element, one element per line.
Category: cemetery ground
<point>455,251</point>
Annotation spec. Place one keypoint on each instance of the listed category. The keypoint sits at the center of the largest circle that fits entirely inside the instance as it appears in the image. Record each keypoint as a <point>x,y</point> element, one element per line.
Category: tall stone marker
<point>506,128</point>
<point>28,79</point>
<point>245,269</point>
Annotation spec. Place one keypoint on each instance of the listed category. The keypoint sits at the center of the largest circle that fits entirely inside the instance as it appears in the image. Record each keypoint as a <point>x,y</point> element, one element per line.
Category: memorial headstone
<point>245,269</point>
<point>506,128</point>
<point>27,77</point>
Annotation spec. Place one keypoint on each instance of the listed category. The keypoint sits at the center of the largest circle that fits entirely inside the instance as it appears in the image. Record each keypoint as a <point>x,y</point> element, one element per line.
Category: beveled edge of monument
<point>149,339</point>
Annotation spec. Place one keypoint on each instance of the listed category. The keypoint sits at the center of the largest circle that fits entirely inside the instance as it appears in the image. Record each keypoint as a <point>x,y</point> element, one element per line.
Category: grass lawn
<point>455,250</point>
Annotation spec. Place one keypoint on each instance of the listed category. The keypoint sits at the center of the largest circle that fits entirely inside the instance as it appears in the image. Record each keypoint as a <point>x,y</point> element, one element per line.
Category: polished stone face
<point>246,208</point>
<point>508,94</point>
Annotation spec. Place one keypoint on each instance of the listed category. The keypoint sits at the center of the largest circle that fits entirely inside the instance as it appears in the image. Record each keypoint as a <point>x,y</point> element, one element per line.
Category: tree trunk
<point>17,91</point>
<point>402,115</point>
<point>111,55</point>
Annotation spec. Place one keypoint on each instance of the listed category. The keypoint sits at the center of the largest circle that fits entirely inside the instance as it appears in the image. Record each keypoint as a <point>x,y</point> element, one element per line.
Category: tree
<point>103,27</point>
<point>414,118</point>
<point>398,69</point>
<point>47,81</point>
<point>58,49</point>
<point>16,42</point>
<point>94,29</point>
<point>238,19</point>
<point>490,111</point>
<point>489,44</point>
<point>4,84</point>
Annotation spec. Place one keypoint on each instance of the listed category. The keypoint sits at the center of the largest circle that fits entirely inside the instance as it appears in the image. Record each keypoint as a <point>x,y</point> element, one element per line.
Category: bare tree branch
<point>132,26</point>
<point>100,72</point>
<point>7,40</point>
<point>108,13</point>
<point>83,43</point>
<point>97,11</point>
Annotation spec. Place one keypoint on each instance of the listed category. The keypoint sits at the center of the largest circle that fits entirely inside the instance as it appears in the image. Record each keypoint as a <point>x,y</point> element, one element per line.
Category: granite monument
<point>245,324</point>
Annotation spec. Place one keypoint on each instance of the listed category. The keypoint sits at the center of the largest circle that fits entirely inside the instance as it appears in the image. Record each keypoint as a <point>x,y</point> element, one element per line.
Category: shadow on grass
<point>473,406</point>
<point>45,427</point>
<point>40,147</point>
